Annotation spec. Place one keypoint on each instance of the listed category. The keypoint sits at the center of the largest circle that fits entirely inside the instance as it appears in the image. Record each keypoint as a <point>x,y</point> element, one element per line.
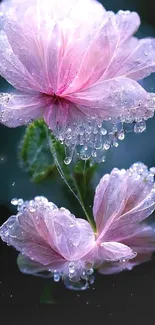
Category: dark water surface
<point>129,297</point>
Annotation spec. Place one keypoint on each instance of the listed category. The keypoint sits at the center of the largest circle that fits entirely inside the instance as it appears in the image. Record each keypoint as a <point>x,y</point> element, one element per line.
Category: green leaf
<point>34,153</point>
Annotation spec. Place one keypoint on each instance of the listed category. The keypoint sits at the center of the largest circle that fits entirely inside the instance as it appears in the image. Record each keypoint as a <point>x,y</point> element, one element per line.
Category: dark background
<point>127,298</point>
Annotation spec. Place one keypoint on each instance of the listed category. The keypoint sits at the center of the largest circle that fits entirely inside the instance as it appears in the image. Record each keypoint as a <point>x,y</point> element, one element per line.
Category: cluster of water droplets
<point>92,138</point>
<point>75,275</point>
<point>140,172</point>
<point>39,201</point>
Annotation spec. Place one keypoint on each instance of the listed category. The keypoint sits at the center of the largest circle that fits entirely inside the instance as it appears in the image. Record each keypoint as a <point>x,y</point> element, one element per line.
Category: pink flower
<point>50,236</point>
<point>77,66</point>
<point>122,201</point>
<point>54,240</point>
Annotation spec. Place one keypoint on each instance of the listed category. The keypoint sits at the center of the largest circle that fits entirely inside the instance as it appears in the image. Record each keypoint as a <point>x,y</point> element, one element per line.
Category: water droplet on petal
<point>106,145</point>
<point>140,127</point>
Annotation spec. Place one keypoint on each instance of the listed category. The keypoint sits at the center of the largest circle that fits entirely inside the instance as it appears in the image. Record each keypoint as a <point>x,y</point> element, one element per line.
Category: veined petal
<point>114,251</point>
<point>74,237</point>
<point>29,266</point>
<point>109,251</point>
<point>122,53</point>
<point>56,115</point>
<point>19,109</point>
<point>140,63</point>
<point>126,223</point>
<point>109,200</point>
<point>35,54</point>
<point>128,23</point>
<point>12,69</point>
<point>143,239</point>
<point>83,70</point>
<point>113,97</point>
<point>72,8</point>
<point>128,198</point>
<point>117,267</point>
<point>46,234</point>
<point>64,119</point>
<point>26,239</point>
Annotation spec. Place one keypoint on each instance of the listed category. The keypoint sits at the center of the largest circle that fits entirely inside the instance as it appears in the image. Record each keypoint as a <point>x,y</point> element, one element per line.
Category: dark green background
<point>128,297</point>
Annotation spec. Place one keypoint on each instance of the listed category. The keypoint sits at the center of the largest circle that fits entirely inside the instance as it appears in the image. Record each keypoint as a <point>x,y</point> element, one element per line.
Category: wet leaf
<point>34,153</point>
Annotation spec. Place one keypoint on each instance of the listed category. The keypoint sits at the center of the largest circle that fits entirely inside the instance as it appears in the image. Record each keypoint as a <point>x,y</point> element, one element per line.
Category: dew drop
<point>90,271</point>
<point>67,160</point>
<point>106,145</point>
<point>14,201</point>
<point>56,277</point>
<point>121,135</point>
<point>20,201</point>
<point>140,127</point>
<point>115,144</point>
<point>103,159</point>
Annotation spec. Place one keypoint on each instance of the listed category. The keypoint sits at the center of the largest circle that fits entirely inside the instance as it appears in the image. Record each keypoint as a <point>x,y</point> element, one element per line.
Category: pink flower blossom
<point>76,65</point>
<point>54,240</point>
<point>50,236</point>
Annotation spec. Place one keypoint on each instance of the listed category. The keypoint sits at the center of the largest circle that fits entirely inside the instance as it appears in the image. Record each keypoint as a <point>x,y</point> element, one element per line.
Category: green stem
<point>71,181</point>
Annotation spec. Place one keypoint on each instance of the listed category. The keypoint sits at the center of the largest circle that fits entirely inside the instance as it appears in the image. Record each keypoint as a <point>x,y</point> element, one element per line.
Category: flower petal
<point>82,70</point>
<point>28,232</point>
<point>74,237</point>
<point>35,51</point>
<point>114,251</point>
<point>109,251</point>
<point>143,239</point>
<point>125,224</point>
<point>56,115</point>
<point>122,200</point>
<point>117,267</point>
<point>76,10</point>
<point>114,97</point>
<point>41,56</point>
<point>128,23</point>
<point>25,238</point>
<point>46,234</point>
<point>122,53</point>
<point>64,118</point>
<point>29,266</point>
<point>19,109</point>
<point>109,200</point>
<point>12,69</point>
<point>141,61</point>
<point>89,12</point>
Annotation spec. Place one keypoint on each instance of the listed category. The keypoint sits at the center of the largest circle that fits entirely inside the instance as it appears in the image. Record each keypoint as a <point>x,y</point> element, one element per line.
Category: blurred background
<point>127,297</point>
